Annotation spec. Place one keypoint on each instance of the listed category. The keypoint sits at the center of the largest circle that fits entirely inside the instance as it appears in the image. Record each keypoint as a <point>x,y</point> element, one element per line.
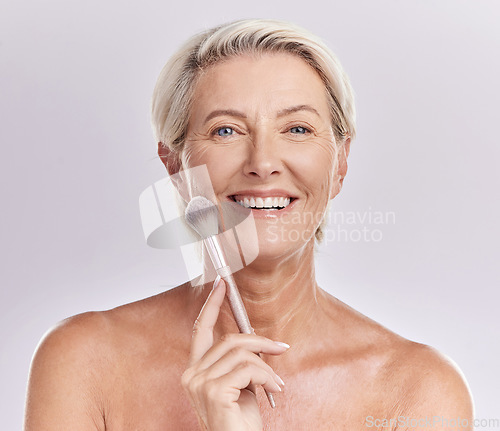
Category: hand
<point>220,379</point>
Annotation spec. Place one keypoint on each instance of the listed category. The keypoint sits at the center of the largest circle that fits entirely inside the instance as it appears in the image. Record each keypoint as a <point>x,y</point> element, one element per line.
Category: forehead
<point>260,83</point>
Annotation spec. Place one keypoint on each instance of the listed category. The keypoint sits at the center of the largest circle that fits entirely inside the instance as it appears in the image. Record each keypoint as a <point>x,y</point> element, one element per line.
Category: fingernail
<point>280,379</point>
<point>217,281</point>
<point>279,343</point>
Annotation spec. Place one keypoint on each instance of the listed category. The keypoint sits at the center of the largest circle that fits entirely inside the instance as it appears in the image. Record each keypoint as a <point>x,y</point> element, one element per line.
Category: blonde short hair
<point>173,93</point>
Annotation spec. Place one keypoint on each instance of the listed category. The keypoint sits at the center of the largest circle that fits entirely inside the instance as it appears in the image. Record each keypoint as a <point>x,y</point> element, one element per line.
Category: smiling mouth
<point>269,203</point>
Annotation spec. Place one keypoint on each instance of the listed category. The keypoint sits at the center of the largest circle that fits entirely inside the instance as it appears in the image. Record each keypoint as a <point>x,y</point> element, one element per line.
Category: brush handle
<point>235,301</point>
<point>239,312</point>
<point>216,253</point>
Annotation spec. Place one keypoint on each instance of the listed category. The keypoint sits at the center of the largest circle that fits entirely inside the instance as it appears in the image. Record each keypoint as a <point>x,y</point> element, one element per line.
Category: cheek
<point>219,163</point>
<point>315,167</point>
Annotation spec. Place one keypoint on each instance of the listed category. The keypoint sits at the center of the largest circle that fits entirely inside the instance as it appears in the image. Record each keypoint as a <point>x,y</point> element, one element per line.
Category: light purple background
<point>77,150</point>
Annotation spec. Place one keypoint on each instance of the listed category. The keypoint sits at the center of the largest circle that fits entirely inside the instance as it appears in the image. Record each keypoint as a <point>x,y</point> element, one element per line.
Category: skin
<point>144,366</point>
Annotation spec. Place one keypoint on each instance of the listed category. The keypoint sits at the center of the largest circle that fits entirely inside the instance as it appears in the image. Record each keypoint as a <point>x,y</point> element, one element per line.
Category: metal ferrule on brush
<point>216,254</point>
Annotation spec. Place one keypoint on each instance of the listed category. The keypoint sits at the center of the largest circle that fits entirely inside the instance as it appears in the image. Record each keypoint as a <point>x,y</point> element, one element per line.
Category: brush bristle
<point>202,216</point>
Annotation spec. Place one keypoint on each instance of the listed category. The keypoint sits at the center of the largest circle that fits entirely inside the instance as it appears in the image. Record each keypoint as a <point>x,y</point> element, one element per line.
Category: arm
<point>63,388</point>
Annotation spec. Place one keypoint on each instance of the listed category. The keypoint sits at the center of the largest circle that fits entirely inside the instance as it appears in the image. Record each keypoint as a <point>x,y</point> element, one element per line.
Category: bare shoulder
<point>410,380</point>
<point>93,336</point>
<point>430,387</point>
<point>80,333</point>
<point>96,335</point>
<point>64,376</point>
<point>435,384</point>
<point>74,365</point>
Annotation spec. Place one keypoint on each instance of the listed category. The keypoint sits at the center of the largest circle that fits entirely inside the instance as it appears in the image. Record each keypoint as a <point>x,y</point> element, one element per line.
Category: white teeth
<point>267,203</point>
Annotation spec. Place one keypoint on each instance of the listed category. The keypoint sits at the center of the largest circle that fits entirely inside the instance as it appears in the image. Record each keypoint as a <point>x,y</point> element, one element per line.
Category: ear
<point>342,167</point>
<point>169,158</point>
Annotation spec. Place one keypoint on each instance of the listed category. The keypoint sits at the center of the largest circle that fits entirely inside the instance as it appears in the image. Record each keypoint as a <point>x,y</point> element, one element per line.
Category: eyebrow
<point>221,112</point>
<point>282,113</point>
<point>291,110</point>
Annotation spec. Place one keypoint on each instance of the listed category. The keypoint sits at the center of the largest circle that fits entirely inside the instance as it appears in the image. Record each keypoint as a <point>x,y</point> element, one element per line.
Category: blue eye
<point>299,130</point>
<point>224,131</point>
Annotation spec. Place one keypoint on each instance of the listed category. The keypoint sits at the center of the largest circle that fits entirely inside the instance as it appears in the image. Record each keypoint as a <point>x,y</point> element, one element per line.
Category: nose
<point>264,159</point>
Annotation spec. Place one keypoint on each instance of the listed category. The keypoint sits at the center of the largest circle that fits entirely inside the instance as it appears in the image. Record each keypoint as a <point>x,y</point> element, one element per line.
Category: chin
<point>276,243</point>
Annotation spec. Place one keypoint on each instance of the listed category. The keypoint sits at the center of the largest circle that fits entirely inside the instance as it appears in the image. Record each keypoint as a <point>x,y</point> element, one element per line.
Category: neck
<point>282,299</point>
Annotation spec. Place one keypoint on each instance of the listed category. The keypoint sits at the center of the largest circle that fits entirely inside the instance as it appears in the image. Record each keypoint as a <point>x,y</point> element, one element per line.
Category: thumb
<point>203,329</point>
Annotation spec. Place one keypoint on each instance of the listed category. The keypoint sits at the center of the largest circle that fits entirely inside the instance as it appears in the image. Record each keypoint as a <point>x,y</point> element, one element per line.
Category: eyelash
<point>218,129</point>
<point>306,130</point>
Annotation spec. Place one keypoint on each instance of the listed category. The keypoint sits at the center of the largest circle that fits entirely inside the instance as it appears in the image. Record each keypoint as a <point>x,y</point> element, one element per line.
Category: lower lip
<point>269,214</point>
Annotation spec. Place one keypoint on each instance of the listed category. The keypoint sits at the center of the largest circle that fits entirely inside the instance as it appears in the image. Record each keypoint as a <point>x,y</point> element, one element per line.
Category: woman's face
<point>262,126</point>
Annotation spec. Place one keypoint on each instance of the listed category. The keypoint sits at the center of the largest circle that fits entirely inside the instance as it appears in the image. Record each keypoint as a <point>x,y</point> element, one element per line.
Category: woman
<point>268,110</point>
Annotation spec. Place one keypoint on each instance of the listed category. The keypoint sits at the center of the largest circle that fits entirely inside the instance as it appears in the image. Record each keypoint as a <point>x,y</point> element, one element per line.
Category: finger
<point>245,376</point>
<point>203,335</point>
<point>235,358</point>
<point>253,343</point>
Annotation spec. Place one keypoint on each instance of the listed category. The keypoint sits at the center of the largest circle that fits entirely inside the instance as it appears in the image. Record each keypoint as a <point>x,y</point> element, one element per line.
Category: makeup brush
<point>202,215</point>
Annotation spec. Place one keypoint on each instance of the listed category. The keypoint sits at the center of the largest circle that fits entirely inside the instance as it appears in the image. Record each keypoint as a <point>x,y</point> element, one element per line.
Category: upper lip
<point>273,193</point>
